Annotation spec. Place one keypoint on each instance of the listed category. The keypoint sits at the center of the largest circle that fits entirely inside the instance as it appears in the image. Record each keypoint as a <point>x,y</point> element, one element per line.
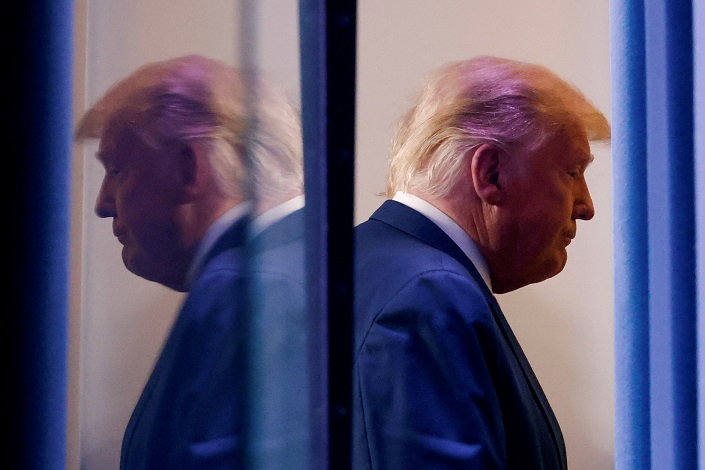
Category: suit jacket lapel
<point>417,225</point>
<point>234,237</point>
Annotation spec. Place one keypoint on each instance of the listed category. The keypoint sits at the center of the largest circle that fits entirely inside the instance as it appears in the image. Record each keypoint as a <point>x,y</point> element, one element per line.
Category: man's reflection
<point>193,152</point>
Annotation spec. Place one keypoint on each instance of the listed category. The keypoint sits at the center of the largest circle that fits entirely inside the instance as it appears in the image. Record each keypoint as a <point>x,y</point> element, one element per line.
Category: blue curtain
<point>37,106</point>
<point>655,250</point>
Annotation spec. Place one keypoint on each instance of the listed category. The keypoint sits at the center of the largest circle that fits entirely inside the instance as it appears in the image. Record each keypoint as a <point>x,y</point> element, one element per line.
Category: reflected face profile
<point>140,193</point>
<point>546,194</point>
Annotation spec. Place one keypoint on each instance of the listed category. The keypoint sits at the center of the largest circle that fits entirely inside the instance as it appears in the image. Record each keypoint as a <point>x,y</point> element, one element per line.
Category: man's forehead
<point>114,141</point>
<point>106,148</point>
<point>582,152</point>
<point>576,140</point>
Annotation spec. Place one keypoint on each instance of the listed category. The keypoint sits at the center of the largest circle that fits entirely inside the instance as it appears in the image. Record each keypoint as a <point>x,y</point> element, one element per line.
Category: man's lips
<point>120,235</point>
<point>569,236</point>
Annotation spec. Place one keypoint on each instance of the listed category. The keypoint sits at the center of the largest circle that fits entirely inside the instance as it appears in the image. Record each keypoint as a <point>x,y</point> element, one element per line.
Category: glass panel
<point>125,320</point>
<point>279,359</point>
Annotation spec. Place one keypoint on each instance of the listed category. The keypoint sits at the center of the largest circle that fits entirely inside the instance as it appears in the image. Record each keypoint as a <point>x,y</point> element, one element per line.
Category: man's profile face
<point>140,192</point>
<point>546,194</point>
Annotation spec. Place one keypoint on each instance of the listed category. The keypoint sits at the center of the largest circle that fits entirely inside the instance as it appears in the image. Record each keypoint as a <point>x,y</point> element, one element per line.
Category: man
<point>192,151</point>
<point>486,181</point>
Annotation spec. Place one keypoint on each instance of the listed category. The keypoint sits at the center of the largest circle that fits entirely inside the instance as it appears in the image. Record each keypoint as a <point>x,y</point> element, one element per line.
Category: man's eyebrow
<point>100,156</point>
<point>587,160</point>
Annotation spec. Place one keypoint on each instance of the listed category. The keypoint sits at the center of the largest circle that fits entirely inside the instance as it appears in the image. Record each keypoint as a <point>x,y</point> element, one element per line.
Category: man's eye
<point>113,172</point>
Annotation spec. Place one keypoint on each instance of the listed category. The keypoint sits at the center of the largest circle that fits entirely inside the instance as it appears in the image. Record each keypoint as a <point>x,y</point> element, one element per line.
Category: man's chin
<point>134,266</point>
<point>553,269</point>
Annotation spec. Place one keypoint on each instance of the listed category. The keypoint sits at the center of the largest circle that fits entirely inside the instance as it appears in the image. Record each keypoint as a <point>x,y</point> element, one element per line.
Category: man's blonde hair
<point>483,100</point>
<point>251,130</point>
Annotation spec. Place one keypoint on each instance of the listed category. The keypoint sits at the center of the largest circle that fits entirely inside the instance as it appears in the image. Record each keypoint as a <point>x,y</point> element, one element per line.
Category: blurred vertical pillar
<point>37,126</point>
<point>654,246</point>
<point>328,62</point>
<point>632,446</point>
<point>699,145</point>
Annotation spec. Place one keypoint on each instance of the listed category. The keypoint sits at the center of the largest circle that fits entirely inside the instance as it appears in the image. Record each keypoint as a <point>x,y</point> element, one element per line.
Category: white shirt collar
<point>451,228</point>
<point>234,214</point>
<point>275,214</point>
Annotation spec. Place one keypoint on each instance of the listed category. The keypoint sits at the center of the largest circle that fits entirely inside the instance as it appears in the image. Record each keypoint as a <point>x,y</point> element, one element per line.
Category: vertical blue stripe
<point>699,150</point>
<point>53,83</point>
<point>39,136</point>
<point>655,303</point>
<point>660,220</point>
<point>671,232</point>
<point>314,91</point>
<point>679,88</point>
<point>632,424</point>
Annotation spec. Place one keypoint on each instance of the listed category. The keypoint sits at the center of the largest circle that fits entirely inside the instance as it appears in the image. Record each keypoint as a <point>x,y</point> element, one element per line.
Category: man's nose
<point>583,208</point>
<point>104,203</point>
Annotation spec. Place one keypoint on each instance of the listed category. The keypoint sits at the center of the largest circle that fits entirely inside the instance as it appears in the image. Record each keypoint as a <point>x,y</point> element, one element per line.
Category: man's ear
<point>486,166</point>
<point>192,170</point>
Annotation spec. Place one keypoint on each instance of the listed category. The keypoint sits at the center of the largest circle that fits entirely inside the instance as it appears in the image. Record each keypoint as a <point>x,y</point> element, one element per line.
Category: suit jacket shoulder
<point>243,318</point>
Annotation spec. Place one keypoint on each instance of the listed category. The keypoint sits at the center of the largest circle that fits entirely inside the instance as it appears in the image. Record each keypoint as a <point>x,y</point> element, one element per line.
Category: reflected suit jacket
<point>440,381</point>
<point>186,417</point>
<point>189,415</point>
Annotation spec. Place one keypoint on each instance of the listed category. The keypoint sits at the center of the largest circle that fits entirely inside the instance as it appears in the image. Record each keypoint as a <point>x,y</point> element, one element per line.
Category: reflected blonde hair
<point>483,100</point>
<point>251,130</point>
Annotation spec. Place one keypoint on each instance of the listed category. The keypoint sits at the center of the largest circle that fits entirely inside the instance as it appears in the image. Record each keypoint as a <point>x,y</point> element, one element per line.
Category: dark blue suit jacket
<point>440,381</point>
<point>190,413</point>
<point>279,340</point>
